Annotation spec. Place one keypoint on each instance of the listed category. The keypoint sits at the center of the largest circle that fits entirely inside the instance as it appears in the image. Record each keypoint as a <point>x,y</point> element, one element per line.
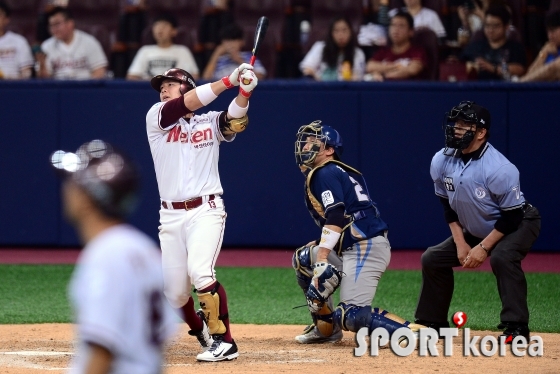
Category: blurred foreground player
<point>116,289</point>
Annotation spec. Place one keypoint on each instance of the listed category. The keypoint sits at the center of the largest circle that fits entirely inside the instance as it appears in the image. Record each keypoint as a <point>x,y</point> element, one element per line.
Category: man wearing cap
<point>185,149</point>
<point>121,316</point>
<point>488,217</point>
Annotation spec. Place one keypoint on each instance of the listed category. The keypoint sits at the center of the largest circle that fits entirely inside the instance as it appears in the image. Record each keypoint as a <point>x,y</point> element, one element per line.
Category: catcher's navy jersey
<point>335,184</point>
<point>479,189</point>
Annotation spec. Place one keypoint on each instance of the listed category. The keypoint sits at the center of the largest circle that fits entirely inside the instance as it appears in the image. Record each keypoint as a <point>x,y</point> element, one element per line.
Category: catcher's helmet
<point>107,176</point>
<point>321,133</point>
<point>179,75</point>
<point>471,113</point>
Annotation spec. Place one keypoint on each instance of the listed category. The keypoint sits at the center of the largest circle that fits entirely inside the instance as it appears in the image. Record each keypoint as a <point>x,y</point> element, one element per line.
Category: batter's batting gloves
<point>233,79</point>
<point>248,83</point>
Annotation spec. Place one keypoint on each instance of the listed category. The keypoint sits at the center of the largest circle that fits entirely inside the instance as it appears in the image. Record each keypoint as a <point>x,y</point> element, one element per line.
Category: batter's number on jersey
<point>156,309</point>
<point>359,190</point>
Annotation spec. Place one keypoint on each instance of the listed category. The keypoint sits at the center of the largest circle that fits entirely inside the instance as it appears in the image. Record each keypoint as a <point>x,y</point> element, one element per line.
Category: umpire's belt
<point>187,204</point>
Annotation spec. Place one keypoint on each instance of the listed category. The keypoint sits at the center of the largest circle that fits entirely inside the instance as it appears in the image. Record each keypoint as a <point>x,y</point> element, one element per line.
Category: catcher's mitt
<point>328,280</point>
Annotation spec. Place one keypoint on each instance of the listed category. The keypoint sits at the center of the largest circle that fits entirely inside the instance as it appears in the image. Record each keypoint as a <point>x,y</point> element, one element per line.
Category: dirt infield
<point>46,348</point>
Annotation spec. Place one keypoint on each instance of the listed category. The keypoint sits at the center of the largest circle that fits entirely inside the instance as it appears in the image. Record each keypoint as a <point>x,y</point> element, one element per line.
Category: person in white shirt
<point>423,17</point>
<point>116,290</point>
<point>15,54</point>
<point>336,58</point>
<point>185,150</point>
<point>152,60</point>
<point>70,53</point>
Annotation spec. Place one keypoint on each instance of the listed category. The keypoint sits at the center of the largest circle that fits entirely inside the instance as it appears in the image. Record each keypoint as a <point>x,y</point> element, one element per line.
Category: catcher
<point>353,239</point>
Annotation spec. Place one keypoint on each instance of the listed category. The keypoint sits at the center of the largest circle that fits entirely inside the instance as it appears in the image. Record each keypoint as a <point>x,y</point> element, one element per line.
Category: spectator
<point>228,55</point>
<point>423,17</point>
<point>495,57</point>
<point>15,54</point>
<point>152,60</point>
<point>70,53</point>
<point>401,60</point>
<point>216,14</point>
<point>336,58</point>
<point>472,13</point>
<point>546,66</point>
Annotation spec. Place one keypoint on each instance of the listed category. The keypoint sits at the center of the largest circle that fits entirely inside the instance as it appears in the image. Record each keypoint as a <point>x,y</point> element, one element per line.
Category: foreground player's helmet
<point>107,176</point>
<point>471,113</point>
<point>179,75</point>
<point>316,134</point>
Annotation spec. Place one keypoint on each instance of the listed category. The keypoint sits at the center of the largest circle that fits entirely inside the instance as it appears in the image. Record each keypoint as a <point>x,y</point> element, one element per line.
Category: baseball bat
<point>260,32</point>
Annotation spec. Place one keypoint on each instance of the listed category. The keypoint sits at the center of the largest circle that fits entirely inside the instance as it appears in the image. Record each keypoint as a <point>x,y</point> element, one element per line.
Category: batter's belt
<point>187,204</point>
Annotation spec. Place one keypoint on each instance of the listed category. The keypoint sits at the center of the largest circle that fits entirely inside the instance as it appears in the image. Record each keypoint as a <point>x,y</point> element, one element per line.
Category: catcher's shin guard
<point>390,321</point>
<point>351,317</point>
<point>210,304</point>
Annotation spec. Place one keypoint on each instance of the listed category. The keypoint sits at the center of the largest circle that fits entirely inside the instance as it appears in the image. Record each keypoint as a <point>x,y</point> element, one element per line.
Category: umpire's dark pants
<point>505,259</point>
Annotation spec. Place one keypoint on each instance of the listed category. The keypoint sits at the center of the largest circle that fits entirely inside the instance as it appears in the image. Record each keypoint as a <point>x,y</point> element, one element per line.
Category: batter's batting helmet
<point>107,176</point>
<point>324,134</point>
<point>471,113</point>
<point>176,74</point>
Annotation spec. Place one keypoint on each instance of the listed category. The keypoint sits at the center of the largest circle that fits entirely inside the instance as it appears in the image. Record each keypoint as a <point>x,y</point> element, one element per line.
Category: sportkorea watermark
<point>403,342</point>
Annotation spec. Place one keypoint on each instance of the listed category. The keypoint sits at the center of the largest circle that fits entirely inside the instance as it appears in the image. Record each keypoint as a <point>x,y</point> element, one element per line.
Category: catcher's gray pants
<point>437,273</point>
<point>363,265</point>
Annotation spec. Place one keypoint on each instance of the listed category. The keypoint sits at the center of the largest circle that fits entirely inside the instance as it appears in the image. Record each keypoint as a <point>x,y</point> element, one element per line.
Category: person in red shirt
<point>401,60</point>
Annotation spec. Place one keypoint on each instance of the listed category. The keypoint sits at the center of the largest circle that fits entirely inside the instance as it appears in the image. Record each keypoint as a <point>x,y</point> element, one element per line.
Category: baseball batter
<point>116,289</point>
<point>353,240</point>
<point>487,216</point>
<point>185,149</point>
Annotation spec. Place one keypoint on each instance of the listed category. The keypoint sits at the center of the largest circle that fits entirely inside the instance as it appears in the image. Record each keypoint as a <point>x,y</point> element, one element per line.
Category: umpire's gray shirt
<point>479,189</point>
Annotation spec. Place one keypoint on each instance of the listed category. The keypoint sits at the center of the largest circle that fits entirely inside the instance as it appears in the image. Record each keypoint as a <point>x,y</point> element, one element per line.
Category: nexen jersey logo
<point>176,135</point>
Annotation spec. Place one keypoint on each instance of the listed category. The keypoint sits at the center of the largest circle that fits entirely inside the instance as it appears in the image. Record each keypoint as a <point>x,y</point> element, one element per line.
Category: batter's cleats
<point>219,351</point>
<point>203,336</point>
<point>311,335</point>
<point>513,330</point>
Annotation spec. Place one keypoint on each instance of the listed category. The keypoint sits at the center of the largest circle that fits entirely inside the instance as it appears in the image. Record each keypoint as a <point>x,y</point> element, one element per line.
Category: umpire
<point>488,217</point>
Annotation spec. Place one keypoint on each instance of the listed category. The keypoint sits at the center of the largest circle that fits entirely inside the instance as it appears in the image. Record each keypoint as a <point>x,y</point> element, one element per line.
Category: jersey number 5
<point>359,190</point>
<point>155,317</point>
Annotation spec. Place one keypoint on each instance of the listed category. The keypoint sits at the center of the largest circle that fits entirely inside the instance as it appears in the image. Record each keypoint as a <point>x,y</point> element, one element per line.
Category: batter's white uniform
<point>186,163</point>
<point>117,295</point>
<point>15,55</point>
<point>75,60</point>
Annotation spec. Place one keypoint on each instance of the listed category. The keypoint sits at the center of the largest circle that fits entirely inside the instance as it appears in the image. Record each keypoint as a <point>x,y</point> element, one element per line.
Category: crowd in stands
<point>322,40</point>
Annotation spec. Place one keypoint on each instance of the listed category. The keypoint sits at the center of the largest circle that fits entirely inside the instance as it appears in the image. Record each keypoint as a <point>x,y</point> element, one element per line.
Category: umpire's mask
<point>470,113</point>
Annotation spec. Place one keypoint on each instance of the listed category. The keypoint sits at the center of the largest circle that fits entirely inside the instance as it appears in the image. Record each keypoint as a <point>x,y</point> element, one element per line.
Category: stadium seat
<point>426,38</point>
<point>24,17</point>
<point>453,71</point>
<point>323,11</point>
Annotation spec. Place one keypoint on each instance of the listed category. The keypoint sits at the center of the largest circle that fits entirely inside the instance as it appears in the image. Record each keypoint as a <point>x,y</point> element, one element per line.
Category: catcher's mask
<point>178,75</point>
<point>107,176</point>
<point>470,113</point>
<point>309,139</point>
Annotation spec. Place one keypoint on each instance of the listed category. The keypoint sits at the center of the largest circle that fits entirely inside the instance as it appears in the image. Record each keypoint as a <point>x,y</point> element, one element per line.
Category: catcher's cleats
<point>328,280</point>
<point>312,335</point>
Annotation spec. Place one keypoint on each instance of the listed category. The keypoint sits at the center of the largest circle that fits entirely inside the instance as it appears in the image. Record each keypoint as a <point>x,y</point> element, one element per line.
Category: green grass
<point>37,294</point>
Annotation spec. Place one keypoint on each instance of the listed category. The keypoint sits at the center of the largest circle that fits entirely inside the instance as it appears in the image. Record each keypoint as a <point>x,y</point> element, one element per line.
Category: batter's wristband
<point>205,94</point>
<point>227,83</point>
<point>245,93</point>
<point>236,111</point>
<point>329,238</point>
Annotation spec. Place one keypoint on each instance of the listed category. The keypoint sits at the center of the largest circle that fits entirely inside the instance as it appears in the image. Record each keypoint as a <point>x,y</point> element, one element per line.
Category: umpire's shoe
<point>203,336</point>
<point>513,330</point>
<point>219,351</point>
<point>311,335</point>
